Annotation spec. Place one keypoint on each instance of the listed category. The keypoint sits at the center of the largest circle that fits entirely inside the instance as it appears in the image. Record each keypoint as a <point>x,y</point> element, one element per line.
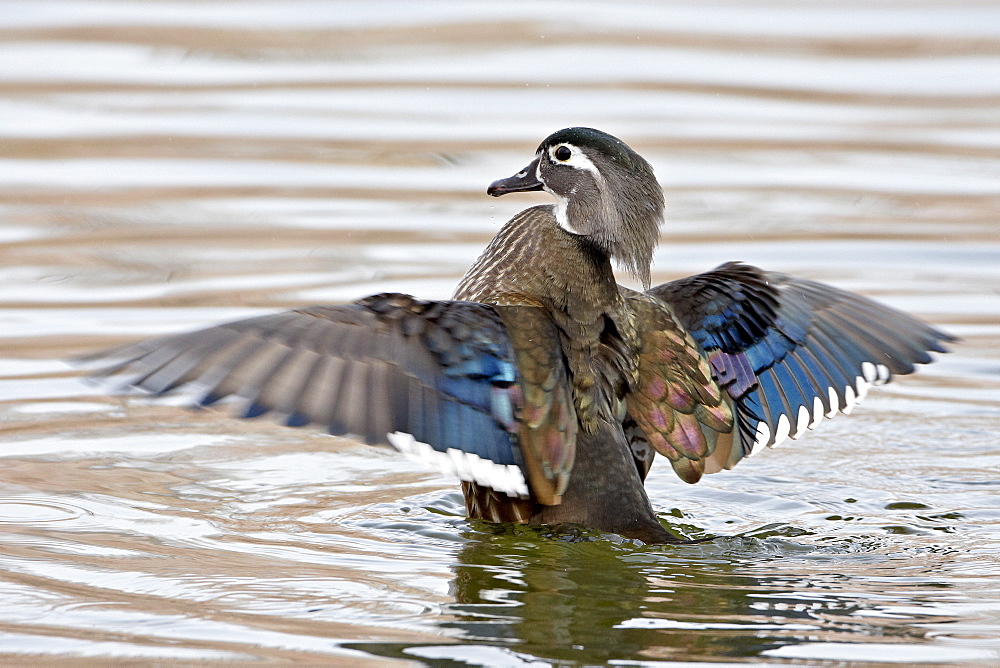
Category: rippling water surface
<point>169,165</point>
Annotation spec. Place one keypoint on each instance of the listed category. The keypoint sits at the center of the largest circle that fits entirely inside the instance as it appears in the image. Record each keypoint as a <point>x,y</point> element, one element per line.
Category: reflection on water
<point>169,165</point>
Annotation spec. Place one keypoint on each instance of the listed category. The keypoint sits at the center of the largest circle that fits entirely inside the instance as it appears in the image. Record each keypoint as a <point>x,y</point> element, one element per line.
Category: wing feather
<point>789,351</point>
<point>435,379</point>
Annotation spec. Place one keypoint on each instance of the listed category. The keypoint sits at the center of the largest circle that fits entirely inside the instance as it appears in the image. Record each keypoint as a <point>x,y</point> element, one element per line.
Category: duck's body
<point>580,323</point>
<point>546,386</point>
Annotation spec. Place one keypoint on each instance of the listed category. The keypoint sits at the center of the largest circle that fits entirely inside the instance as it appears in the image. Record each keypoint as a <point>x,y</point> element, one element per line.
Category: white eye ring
<point>562,153</point>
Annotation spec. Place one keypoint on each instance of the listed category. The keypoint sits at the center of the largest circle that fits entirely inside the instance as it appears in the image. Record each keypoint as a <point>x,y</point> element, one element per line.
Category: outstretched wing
<point>547,417</point>
<point>436,380</point>
<point>791,351</point>
<point>676,406</point>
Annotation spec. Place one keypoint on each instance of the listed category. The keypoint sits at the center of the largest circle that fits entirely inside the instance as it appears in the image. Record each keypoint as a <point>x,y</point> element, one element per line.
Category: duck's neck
<point>532,261</point>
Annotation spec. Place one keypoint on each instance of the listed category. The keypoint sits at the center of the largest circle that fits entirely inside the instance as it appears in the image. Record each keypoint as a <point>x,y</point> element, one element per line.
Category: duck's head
<point>605,192</point>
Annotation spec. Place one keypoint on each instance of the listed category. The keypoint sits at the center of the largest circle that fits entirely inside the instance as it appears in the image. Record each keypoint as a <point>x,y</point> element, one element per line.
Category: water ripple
<point>167,165</point>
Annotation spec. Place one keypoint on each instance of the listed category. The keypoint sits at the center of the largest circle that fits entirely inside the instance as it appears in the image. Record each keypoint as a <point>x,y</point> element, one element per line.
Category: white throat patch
<point>562,204</point>
<point>578,160</point>
<point>562,216</point>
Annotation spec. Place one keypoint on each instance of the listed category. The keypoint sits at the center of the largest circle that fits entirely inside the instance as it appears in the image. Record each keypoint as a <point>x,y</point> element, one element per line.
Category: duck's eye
<point>562,153</point>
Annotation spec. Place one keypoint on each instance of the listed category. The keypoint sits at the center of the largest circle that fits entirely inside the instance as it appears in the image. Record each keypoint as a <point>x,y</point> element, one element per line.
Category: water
<point>169,165</point>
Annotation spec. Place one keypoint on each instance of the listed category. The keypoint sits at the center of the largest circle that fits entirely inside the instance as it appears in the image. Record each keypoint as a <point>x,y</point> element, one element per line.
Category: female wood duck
<point>546,386</point>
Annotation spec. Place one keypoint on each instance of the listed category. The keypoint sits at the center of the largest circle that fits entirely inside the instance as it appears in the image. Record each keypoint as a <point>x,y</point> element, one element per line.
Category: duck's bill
<point>523,181</point>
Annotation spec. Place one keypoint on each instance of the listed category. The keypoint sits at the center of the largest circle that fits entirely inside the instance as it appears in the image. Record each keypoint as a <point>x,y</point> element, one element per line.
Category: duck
<point>543,385</point>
